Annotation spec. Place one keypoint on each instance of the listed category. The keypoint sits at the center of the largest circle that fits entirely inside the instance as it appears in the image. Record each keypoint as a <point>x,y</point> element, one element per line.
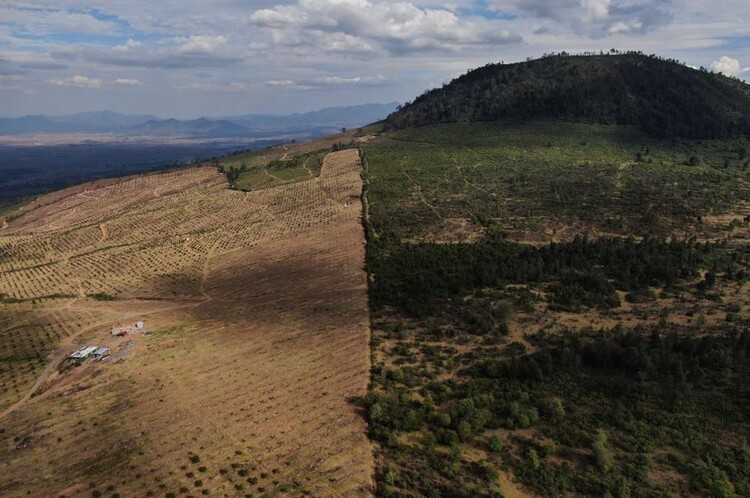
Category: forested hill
<point>662,97</point>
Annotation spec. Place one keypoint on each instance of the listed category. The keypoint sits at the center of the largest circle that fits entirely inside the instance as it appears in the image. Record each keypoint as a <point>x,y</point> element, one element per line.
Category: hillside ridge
<point>660,96</point>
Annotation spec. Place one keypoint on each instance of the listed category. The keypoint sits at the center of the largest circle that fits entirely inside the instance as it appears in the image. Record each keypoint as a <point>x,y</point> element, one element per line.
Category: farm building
<point>100,353</point>
<point>83,353</point>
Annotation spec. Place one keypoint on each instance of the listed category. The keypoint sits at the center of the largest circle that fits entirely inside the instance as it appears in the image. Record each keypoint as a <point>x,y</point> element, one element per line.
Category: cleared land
<point>249,381</point>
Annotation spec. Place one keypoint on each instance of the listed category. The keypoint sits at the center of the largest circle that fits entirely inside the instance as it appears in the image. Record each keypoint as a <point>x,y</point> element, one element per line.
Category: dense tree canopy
<point>662,97</point>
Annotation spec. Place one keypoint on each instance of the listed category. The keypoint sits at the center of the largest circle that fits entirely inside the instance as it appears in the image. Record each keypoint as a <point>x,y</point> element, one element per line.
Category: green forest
<point>590,338</point>
<point>662,97</point>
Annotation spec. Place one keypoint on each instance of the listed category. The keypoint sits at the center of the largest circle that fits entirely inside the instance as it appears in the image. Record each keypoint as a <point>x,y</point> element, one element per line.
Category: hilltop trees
<point>231,172</point>
<point>662,97</point>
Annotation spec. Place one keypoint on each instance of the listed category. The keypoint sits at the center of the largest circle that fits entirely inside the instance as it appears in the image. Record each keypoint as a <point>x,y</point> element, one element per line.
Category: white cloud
<point>595,18</point>
<point>378,79</point>
<point>127,82</point>
<point>320,82</point>
<point>288,84</point>
<point>727,66</point>
<point>200,44</point>
<point>595,10</point>
<point>78,81</point>
<point>278,17</point>
<point>130,44</point>
<point>621,27</point>
<point>197,86</point>
<point>239,86</point>
<point>170,53</point>
<point>367,26</point>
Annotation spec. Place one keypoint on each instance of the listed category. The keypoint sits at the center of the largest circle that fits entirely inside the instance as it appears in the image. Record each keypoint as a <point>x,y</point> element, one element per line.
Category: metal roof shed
<point>100,353</point>
<point>82,353</point>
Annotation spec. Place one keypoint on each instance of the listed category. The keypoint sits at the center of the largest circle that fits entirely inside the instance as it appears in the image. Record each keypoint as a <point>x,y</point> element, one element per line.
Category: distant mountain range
<point>85,122</point>
<point>249,125</point>
<point>202,127</point>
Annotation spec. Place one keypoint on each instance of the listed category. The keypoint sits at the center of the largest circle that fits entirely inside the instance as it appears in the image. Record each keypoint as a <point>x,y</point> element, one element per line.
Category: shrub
<point>496,444</point>
<point>602,453</point>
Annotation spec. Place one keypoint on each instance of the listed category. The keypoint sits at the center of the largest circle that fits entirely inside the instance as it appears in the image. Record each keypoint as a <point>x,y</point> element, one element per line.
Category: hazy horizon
<point>189,117</point>
<point>187,59</point>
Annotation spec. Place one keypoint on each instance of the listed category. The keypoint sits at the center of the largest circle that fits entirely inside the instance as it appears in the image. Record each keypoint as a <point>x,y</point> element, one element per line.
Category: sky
<point>190,58</point>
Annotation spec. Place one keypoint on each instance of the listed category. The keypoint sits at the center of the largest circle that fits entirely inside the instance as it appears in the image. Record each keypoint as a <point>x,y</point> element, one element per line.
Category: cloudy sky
<point>188,58</point>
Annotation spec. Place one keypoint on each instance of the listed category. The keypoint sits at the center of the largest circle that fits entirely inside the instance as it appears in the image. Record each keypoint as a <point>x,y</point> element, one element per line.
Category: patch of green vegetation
<point>521,178</point>
<point>371,129</point>
<point>172,330</point>
<point>274,166</point>
<point>457,397</point>
<point>582,273</point>
<point>101,296</point>
<point>264,171</point>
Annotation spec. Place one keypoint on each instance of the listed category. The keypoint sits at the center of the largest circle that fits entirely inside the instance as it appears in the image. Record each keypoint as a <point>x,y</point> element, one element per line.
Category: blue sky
<point>189,58</point>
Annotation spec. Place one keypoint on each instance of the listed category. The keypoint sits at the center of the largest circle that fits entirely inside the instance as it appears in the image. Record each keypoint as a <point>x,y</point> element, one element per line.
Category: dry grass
<point>247,386</point>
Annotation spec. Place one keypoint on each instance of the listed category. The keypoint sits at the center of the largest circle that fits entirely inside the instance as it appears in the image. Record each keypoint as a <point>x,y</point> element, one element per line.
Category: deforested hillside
<point>662,97</point>
<point>252,341</point>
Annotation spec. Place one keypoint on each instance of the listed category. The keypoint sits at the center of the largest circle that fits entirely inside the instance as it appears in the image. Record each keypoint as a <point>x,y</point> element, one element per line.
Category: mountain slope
<point>663,98</point>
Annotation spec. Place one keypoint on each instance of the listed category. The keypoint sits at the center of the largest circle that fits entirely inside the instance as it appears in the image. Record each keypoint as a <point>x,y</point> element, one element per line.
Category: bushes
<point>455,376</point>
<point>574,390</point>
<point>495,444</point>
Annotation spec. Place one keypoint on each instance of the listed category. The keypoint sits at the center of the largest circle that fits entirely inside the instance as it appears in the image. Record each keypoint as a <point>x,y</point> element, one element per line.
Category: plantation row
<point>163,240</point>
<point>244,390</point>
<point>27,337</point>
<point>70,211</point>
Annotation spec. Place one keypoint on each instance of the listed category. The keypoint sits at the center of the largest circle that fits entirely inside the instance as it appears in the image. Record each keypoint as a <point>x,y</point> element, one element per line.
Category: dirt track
<point>262,345</point>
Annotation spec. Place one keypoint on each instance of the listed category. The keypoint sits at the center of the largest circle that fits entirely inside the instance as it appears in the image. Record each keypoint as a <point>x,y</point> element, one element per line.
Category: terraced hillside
<point>246,384</point>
